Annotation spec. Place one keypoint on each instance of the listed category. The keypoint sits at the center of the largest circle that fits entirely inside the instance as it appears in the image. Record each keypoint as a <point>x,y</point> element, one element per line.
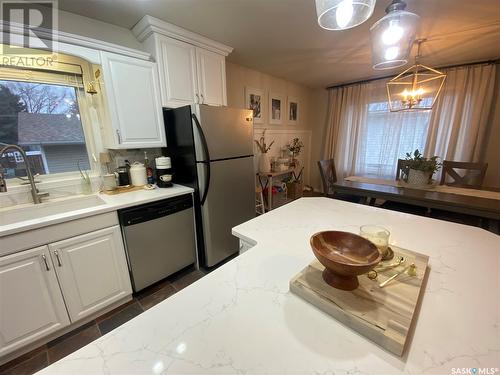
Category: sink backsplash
<point>118,157</point>
<point>66,187</point>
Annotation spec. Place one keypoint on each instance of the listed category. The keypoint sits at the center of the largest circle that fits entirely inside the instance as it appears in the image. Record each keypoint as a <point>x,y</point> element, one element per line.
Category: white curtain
<point>346,115</point>
<point>459,119</point>
<point>365,138</point>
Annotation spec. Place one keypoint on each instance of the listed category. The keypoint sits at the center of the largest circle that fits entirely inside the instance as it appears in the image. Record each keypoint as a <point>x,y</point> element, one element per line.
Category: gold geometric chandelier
<point>417,88</point>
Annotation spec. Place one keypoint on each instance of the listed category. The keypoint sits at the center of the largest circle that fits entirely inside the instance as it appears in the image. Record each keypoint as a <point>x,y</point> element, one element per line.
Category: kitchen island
<point>241,318</point>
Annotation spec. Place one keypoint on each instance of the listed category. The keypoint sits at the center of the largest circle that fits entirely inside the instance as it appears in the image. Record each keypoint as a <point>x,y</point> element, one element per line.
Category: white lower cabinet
<point>92,271</point>
<point>31,303</point>
<point>47,288</point>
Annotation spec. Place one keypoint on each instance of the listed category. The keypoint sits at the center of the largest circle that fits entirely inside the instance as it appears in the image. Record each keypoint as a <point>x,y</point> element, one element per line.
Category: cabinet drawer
<point>52,233</point>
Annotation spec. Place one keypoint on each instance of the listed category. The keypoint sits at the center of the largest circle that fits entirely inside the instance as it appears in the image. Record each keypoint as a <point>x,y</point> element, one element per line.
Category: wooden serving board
<point>122,189</point>
<point>383,315</point>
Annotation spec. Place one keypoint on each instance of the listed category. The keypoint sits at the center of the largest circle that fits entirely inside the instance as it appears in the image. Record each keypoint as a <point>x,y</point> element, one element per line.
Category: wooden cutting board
<point>383,315</point>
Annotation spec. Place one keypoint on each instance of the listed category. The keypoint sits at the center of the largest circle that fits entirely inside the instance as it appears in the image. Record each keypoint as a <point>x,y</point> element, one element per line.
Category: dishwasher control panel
<point>155,210</point>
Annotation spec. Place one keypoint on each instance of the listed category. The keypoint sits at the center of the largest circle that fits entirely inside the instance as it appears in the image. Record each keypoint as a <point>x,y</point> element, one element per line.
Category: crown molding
<point>149,25</point>
<point>76,40</point>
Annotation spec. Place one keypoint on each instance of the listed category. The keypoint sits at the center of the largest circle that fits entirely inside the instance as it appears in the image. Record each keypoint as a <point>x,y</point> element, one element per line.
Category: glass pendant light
<point>392,36</point>
<point>343,14</point>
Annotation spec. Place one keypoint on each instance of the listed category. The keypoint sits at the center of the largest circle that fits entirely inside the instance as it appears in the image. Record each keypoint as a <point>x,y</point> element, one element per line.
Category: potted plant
<point>294,147</point>
<point>264,162</point>
<point>418,170</point>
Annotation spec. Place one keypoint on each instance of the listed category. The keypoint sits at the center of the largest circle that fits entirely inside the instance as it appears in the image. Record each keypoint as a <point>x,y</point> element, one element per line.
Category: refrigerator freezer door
<point>228,132</point>
<point>230,202</point>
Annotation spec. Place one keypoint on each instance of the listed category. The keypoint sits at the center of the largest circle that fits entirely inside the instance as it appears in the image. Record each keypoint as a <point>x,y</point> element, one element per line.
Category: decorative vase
<point>264,163</point>
<point>419,178</point>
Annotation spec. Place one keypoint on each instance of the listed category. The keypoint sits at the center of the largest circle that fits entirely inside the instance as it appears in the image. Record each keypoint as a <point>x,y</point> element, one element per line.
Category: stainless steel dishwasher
<point>159,239</point>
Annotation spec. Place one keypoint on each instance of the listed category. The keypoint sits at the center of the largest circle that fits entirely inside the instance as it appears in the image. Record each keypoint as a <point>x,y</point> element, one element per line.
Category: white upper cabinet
<point>92,271</point>
<point>31,302</point>
<point>177,72</point>
<point>133,96</point>
<point>211,77</point>
<point>192,67</point>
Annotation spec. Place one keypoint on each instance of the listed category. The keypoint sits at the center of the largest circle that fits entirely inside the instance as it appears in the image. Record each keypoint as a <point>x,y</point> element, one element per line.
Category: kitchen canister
<point>138,174</point>
<point>109,182</point>
<point>163,171</point>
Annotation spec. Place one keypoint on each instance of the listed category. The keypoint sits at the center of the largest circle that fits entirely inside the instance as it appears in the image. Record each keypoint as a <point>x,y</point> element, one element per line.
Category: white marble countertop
<point>111,203</point>
<point>242,319</point>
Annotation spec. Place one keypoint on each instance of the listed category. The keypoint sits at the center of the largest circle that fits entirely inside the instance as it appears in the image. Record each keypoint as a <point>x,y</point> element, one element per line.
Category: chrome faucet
<point>34,191</point>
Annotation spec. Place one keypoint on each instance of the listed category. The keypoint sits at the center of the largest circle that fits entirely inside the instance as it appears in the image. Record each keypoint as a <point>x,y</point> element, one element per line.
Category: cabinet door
<point>31,304</point>
<point>133,93</point>
<point>92,271</point>
<point>178,64</point>
<point>211,77</point>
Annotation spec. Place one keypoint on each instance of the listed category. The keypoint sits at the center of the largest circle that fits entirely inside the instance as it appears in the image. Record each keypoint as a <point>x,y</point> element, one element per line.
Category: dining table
<point>482,203</point>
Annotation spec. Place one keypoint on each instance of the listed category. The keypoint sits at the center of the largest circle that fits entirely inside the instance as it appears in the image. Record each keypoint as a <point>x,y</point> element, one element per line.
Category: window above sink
<point>48,113</point>
<point>44,119</point>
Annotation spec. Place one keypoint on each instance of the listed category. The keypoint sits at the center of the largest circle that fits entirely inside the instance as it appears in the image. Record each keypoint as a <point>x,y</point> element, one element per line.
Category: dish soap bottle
<point>149,170</point>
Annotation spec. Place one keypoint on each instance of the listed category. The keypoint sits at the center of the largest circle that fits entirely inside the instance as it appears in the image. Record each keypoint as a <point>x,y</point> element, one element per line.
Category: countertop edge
<point>108,206</point>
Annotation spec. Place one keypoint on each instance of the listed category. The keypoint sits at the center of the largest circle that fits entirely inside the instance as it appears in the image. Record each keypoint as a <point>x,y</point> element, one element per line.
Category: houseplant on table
<point>294,183</point>
<point>264,162</point>
<point>294,147</point>
<point>418,170</point>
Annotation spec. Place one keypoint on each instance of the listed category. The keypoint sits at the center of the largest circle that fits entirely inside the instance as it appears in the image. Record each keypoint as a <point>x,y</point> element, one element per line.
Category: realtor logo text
<point>474,370</point>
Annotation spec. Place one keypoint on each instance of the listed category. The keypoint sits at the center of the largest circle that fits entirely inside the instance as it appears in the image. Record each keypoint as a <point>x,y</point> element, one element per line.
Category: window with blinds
<point>39,111</point>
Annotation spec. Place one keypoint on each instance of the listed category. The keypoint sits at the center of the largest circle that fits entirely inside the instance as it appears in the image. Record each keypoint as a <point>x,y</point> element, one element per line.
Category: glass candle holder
<point>378,235</point>
<point>86,185</point>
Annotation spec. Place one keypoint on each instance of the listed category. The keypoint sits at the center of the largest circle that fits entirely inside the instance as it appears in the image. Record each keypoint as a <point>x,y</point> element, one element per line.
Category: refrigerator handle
<point>207,157</point>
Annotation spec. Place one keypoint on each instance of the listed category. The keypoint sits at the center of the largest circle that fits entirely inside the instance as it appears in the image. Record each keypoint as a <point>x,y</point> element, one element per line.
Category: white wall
<point>91,28</point>
<point>239,77</point>
<point>319,107</point>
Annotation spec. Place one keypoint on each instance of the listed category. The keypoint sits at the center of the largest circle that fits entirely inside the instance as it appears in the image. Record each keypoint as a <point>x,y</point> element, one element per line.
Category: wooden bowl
<point>345,256</point>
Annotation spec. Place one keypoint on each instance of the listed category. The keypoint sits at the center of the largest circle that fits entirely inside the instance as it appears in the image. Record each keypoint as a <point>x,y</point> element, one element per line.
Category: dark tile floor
<point>62,346</point>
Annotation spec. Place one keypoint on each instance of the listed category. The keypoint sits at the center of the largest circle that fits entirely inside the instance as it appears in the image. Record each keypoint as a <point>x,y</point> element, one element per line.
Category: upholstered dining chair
<point>329,178</point>
<point>472,178</point>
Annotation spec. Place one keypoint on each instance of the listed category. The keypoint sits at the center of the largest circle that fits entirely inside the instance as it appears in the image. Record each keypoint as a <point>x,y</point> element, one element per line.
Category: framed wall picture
<point>276,108</point>
<point>254,100</point>
<point>292,110</point>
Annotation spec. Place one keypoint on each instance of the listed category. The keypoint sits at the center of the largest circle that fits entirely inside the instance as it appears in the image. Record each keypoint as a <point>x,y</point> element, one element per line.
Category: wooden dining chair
<point>329,178</point>
<point>401,168</point>
<point>328,175</point>
<point>472,178</point>
<point>404,207</point>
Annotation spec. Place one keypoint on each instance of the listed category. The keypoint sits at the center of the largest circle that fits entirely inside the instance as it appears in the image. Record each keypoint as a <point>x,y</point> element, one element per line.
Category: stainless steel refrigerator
<point>212,151</point>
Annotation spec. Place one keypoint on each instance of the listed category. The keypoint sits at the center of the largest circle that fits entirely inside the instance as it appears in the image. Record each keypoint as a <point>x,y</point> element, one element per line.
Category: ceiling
<point>282,37</point>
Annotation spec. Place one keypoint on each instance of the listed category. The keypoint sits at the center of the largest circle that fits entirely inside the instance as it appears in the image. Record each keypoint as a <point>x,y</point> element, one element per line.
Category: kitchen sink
<point>24,212</point>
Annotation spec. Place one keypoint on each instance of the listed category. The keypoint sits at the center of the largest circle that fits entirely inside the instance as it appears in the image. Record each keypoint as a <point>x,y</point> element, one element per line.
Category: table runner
<point>439,188</point>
